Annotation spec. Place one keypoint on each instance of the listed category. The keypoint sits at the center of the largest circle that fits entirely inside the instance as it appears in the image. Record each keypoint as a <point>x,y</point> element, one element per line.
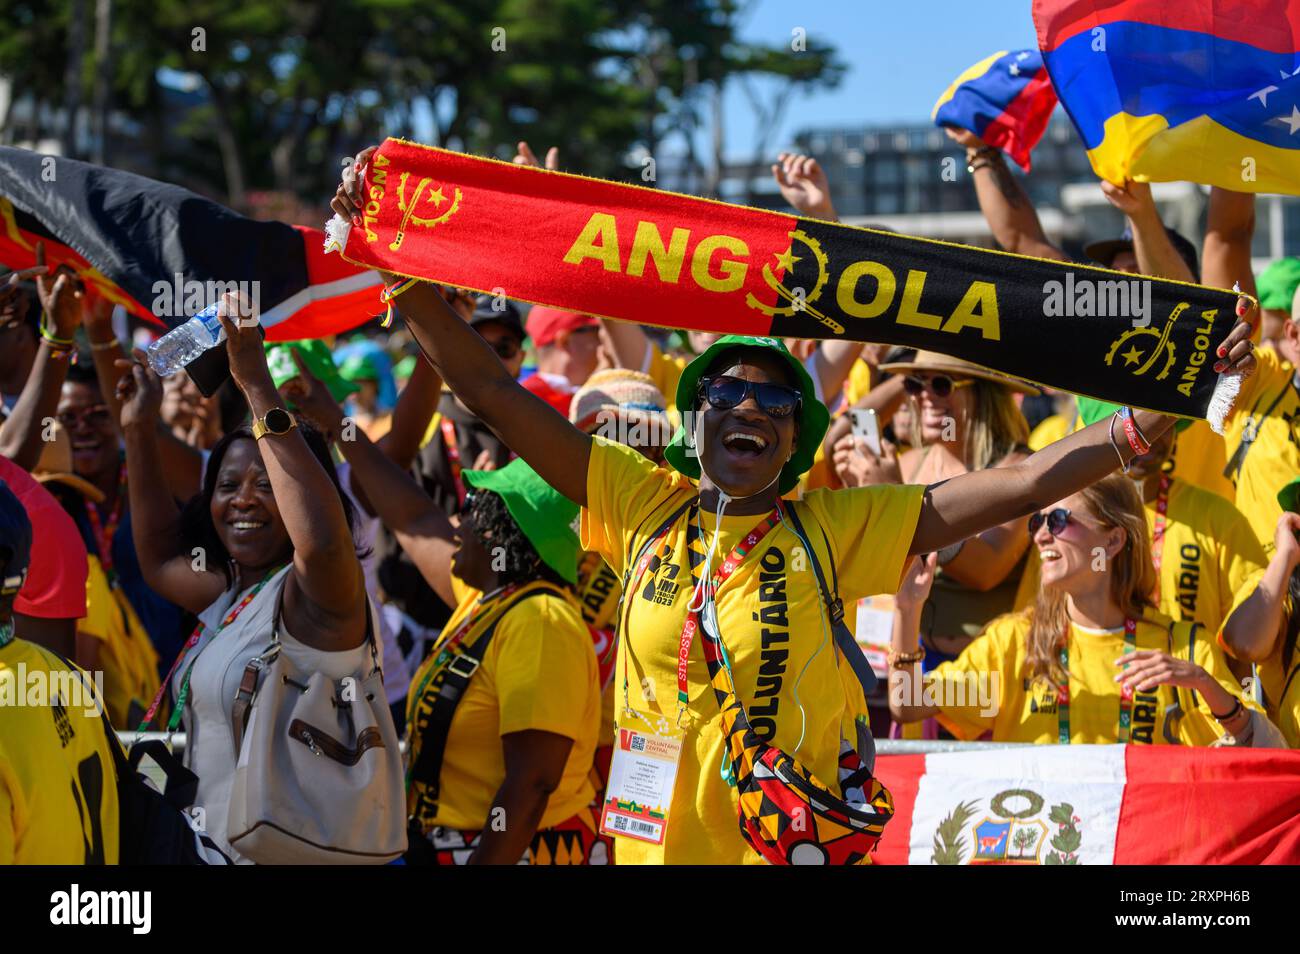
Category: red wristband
<point>1135,438</point>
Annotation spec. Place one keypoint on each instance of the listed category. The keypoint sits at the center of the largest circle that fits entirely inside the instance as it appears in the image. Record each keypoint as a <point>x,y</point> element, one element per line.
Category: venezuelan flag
<point>1006,100</point>
<point>1201,90</point>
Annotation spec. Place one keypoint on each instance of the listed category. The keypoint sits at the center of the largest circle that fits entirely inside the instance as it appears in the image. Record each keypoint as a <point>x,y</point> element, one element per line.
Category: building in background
<point>913,179</point>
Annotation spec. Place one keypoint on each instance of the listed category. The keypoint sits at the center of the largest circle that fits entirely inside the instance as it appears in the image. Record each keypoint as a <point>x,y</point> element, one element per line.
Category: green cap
<point>316,356</point>
<point>1277,284</point>
<point>1288,497</point>
<point>813,416</point>
<point>548,518</point>
<point>1091,411</point>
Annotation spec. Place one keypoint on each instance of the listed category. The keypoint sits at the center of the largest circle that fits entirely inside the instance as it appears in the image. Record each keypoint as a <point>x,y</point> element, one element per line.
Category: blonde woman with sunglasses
<point>1093,661</point>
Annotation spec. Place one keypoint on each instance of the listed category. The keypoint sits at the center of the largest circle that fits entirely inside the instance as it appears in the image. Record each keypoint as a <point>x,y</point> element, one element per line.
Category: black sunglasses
<point>1057,521</point>
<point>725,392</point>
<point>940,384</point>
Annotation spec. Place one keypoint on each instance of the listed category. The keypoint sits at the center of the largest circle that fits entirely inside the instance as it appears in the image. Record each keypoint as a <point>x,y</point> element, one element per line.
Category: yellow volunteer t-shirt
<point>1198,457</point>
<point>1026,709</point>
<point>58,782</point>
<point>772,623</point>
<point>126,656</point>
<point>539,673</point>
<point>1209,554</point>
<point>665,370</point>
<point>859,384</point>
<point>599,589</point>
<point>1049,431</point>
<point>1282,693</point>
<point>1273,458</point>
<point>1279,677</point>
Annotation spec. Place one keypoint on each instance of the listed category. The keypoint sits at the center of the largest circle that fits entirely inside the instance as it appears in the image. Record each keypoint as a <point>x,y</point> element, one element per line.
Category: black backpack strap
<point>848,646</point>
<point>455,678</point>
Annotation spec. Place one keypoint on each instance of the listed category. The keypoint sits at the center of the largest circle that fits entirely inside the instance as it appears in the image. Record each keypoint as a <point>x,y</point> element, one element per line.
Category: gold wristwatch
<point>276,421</point>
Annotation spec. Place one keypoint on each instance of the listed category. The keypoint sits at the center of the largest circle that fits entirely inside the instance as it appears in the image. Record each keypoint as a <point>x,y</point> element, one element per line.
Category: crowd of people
<point>546,528</point>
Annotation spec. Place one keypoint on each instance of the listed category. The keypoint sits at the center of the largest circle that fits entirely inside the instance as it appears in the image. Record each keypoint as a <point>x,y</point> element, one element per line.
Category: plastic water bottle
<point>184,343</point>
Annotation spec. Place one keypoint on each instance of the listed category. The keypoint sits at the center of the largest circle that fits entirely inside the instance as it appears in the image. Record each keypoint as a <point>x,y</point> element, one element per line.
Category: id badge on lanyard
<point>642,774</point>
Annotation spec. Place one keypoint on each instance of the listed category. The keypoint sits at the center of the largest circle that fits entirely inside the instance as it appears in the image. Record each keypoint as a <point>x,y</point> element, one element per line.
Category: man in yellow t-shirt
<point>1025,709</point>
<point>58,779</point>
<point>772,622</point>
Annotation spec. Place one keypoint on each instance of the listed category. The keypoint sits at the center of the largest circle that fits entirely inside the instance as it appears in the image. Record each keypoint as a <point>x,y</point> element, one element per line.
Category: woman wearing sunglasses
<point>708,549</point>
<point>1093,661</point>
<point>965,419</point>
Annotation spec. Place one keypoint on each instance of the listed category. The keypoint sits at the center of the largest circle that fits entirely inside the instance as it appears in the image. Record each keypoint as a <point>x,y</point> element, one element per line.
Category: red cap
<point>544,324</point>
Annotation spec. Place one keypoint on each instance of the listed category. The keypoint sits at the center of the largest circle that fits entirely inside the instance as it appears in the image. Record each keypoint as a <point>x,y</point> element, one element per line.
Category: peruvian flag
<point>164,253</point>
<point>1095,804</point>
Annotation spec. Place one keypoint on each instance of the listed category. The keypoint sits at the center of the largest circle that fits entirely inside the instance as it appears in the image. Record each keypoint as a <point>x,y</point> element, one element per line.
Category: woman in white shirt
<point>271,524</point>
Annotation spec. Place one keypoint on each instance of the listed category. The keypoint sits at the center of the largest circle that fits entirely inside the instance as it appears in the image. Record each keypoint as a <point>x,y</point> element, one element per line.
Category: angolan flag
<point>1093,804</point>
<point>163,252</point>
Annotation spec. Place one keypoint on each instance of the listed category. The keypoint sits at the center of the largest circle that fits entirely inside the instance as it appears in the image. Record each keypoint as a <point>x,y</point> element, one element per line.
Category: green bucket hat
<point>1277,284</point>
<point>547,517</point>
<point>1091,411</point>
<point>1289,496</point>
<point>316,356</point>
<point>813,416</point>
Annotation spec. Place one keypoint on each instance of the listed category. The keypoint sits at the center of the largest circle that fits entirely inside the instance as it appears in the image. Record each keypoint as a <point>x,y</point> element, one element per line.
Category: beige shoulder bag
<point>319,772</point>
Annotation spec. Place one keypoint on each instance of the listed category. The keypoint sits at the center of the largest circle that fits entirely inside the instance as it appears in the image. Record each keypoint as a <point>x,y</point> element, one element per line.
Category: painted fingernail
<point>356,220</point>
<point>1219,366</point>
<point>1241,308</point>
<point>356,167</point>
<point>1223,352</point>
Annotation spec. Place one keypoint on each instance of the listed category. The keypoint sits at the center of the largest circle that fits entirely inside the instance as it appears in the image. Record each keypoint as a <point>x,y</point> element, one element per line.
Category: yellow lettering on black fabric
<point>845,291</point>
<point>909,309</point>
<point>600,226</point>
<point>985,295</point>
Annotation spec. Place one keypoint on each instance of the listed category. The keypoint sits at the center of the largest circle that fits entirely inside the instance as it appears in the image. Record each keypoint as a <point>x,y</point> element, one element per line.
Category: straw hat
<point>931,362</point>
<point>55,466</point>
<point>619,391</point>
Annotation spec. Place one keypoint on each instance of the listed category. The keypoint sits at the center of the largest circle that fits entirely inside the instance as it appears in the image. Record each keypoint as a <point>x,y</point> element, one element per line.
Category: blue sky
<point>901,55</point>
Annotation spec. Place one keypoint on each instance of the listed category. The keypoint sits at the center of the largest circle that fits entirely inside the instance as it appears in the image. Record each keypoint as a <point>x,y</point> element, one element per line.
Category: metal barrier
<point>883,746</point>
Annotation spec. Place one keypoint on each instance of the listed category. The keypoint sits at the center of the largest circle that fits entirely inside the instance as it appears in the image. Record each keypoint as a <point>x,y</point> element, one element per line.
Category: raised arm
<point>833,360</point>
<point>324,602</point>
<point>171,571</point>
<point>415,408</point>
<point>1006,206</point>
<point>534,430</point>
<point>422,529</point>
<point>963,506</point>
<point>1253,630</point>
<point>182,464</point>
<point>20,435</point>
<point>1152,246</point>
<point>1229,231</point>
<point>629,343</point>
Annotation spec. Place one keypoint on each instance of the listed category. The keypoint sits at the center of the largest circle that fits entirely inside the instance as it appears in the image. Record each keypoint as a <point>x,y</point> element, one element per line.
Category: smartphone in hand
<point>866,427</point>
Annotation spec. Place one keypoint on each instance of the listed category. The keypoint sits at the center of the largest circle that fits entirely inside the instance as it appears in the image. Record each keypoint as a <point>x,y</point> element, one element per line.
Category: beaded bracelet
<point>390,292</point>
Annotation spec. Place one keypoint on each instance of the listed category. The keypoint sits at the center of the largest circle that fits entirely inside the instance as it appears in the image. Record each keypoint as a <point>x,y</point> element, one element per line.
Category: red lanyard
<point>190,643</point>
<point>453,457</point>
<point>1125,693</point>
<point>105,531</point>
<point>1158,531</point>
<point>720,576</point>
